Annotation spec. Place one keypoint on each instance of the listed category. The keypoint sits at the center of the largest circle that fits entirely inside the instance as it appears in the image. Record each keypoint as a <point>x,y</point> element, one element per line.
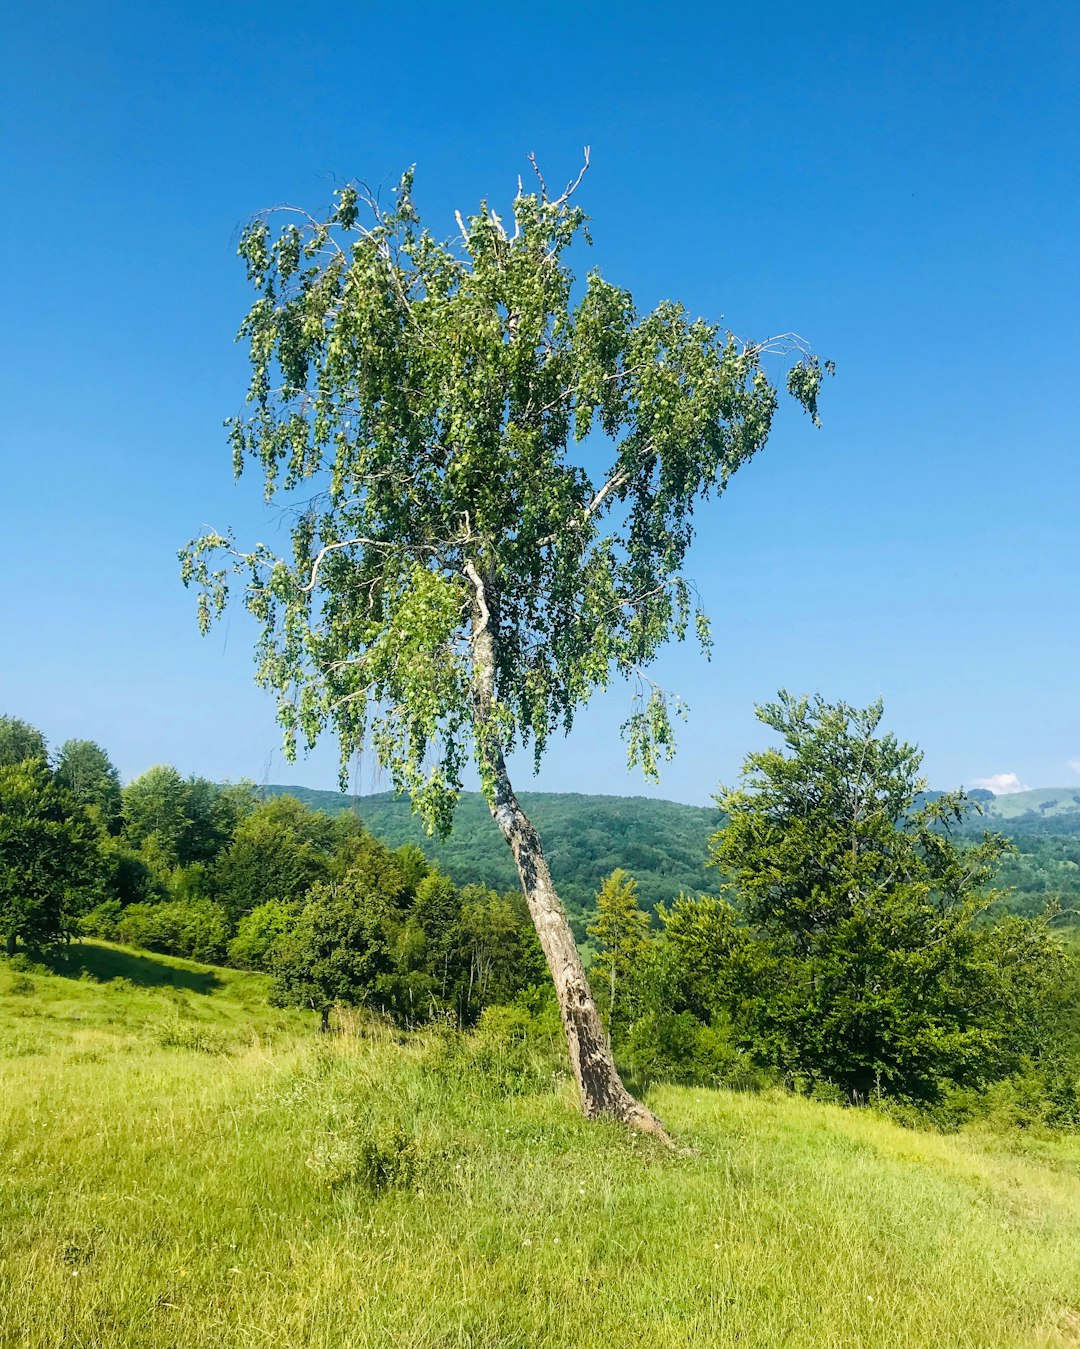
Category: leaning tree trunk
<point>601,1089</point>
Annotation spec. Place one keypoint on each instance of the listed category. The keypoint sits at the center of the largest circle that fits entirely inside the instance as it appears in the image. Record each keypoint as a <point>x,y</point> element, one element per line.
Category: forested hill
<point>663,844</point>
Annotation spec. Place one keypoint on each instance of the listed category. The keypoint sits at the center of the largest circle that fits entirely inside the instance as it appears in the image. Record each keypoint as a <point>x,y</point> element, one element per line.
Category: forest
<point>899,970</point>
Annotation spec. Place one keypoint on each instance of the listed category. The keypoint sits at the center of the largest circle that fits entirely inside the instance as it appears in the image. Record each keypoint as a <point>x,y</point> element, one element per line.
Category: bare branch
<point>571,188</point>
<point>781,345</point>
<point>536,169</point>
<point>497,222</point>
<point>381,545</point>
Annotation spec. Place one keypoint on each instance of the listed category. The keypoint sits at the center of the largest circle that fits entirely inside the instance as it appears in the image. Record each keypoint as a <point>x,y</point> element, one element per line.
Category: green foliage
<point>862,963</point>
<point>19,741</point>
<point>336,951</point>
<point>512,1052</point>
<point>435,394</point>
<point>101,920</point>
<point>621,934</point>
<point>258,933</point>
<point>498,947</point>
<point>174,821</point>
<point>662,843</point>
<point>128,876</point>
<point>86,771</point>
<point>377,1156</point>
<point>155,809</point>
<point>50,861</point>
<point>667,1046</point>
<point>213,814</point>
<point>197,928</point>
<point>277,853</point>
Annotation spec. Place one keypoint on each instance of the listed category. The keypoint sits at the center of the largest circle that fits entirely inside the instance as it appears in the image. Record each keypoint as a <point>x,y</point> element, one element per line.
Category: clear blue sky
<point>898,183</point>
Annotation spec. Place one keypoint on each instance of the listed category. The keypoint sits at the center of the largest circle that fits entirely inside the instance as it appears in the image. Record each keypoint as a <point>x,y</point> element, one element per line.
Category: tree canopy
<point>19,740</point>
<point>86,770</point>
<point>859,961</point>
<point>427,395</point>
<point>621,933</point>
<point>50,863</point>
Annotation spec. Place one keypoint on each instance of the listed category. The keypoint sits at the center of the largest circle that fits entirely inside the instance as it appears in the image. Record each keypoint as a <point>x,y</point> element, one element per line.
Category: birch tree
<point>459,583</point>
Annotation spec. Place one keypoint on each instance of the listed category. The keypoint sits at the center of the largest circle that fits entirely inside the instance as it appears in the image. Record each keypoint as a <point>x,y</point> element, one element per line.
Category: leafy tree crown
<point>417,402</point>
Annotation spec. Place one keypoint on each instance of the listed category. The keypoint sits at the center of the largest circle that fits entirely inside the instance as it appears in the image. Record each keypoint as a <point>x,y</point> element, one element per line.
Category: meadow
<point>181,1166</point>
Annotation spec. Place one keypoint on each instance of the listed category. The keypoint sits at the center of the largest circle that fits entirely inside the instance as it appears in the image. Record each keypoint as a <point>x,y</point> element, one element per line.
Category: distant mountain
<point>1041,804</point>
<point>663,844</point>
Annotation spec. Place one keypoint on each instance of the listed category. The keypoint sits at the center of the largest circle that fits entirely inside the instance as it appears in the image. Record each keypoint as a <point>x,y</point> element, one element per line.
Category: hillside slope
<point>663,844</point>
<point>183,1167</point>
<point>1041,804</point>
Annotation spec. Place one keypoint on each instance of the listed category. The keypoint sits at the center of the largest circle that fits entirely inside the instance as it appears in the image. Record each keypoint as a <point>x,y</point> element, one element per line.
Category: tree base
<point>630,1113</point>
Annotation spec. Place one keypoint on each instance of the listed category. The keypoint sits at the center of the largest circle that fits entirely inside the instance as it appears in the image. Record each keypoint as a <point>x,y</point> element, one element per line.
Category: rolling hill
<point>1044,803</point>
<point>664,844</point>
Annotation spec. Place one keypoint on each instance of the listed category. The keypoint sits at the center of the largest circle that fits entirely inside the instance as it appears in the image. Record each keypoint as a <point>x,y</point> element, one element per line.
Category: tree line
<point>664,844</point>
<point>186,867</point>
<point>854,946</point>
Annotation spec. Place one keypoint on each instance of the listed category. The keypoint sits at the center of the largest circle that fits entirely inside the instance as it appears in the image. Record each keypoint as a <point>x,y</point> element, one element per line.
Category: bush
<point>21,963</point>
<point>101,921</point>
<point>259,932</point>
<point>512,1052</point>
<point>184,1034</point>
<point>677,1047</point>
<point>377,1156</point>
<point>197,929</point>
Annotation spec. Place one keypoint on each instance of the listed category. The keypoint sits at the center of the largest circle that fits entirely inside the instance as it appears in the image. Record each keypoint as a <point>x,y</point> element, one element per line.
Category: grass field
<point>182,1166</point>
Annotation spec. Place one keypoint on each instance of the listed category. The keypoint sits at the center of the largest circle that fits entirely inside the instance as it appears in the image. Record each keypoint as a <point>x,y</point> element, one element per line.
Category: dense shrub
<point>258,933</point>
<point>198,929</point>
<point>665,1046</point>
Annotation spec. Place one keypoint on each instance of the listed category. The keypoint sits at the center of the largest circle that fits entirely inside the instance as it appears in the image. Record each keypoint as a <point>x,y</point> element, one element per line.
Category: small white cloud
<point>1001,783</point>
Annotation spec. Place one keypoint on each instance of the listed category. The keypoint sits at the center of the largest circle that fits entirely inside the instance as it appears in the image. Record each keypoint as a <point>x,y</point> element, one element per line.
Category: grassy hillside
<point>184,1168</point>
<point>662,843</point>
<point>1043,803</point>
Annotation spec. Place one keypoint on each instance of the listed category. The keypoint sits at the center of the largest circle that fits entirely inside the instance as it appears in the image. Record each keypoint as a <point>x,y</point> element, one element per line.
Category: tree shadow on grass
<point>103,963</point>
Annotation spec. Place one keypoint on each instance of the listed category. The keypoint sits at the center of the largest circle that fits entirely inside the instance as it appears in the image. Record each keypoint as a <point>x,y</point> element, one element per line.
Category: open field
<point>182,1166</point>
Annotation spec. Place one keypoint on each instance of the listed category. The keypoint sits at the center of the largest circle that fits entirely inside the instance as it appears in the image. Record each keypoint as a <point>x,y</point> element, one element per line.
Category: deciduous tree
<point>85,769</point>
<point>50,861</point>
<point>19,740</point>
<point>459,582</point>
<point>865,965</point>
<point>337,949</point>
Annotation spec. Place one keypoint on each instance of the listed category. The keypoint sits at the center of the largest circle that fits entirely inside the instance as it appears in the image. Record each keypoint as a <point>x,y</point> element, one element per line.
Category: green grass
<point>181,1166</point>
